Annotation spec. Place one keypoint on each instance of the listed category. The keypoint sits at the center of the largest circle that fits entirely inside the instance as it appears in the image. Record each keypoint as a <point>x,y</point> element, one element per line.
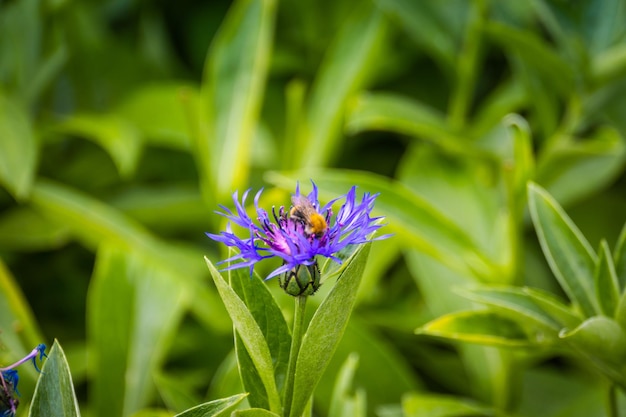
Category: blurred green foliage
<point>123,125</point>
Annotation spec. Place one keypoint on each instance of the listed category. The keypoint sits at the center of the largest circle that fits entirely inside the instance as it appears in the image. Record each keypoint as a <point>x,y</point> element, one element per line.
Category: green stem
<point>467,67</point>
<point>296,341</point>
<point>612,402</point>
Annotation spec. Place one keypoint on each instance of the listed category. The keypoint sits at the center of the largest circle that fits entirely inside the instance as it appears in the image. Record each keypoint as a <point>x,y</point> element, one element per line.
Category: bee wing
<point>302,201</point>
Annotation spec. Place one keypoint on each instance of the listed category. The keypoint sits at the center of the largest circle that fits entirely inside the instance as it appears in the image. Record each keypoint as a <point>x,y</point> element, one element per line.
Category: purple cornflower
<point>9,379</point>
<point>299,234</point>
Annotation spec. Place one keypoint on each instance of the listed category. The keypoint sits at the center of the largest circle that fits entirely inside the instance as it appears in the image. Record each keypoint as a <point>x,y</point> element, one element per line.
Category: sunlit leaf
<point>610,65</point>
<point>477,326</point>
<point>254,412</point>
<point>214,408</point>
<point>129,330</point>
<point>432,405</point>
<point>516,301</point>
<point>347,65</point>
<point>232,91</point>
<point>567,251</point>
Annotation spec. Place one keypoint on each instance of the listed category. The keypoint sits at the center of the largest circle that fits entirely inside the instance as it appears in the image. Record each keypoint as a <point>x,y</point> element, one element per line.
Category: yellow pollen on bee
<point>317,224</point>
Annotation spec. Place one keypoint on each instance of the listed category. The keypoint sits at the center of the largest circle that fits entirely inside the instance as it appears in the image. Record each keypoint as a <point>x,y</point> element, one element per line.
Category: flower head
<point>9,379</point>
<point>298,234</point>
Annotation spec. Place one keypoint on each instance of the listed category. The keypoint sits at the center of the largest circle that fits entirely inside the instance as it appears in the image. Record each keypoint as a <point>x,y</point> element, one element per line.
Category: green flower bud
<point>302,280</point>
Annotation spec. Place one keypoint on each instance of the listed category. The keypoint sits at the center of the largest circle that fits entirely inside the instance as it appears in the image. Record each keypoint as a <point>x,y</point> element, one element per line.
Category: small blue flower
<point>299,234</point>
<point>9,379</point>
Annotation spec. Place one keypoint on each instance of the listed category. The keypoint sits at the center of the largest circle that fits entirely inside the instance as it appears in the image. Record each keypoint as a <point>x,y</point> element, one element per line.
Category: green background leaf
<point>18,148</point>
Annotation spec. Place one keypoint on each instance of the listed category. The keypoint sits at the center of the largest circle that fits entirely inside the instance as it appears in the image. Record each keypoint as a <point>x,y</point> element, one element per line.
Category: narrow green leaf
<point>515,301</point>
<point>346,67</point>
<point>619,257</point>
<point>599,158</point>
<point>325,331</point>
<point>534,52</point>
<point>620,311</point>
<point>394,113</point>
<point>433,405</point>
<point>254,412</point>
<point>214,408</point>
<point>554,306</point>
<point>567,251</point>
<point>477,326</point>
<point>345,401</point>
<point>47,72</point>
<point>109,323</point>
<point>521,163</point>
<point>603,341</point>
<point>607,287</point>
<point>233,85</point>
<point>128,329</point>
<point>435,27</point>
<point>18,149</point>
<point>54,393</point>
<point>509,97</point>
<point>90,219</point>
<point>467,65</point>
<point>254,292</point>
<point>115,135</point>
<point>157,111</point>
<point>251,335</point>
<point>95,222</point>
<point>295,139</point>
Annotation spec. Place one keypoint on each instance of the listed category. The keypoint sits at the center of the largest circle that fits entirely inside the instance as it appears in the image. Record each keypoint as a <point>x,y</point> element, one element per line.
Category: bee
<point>304,212</point>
